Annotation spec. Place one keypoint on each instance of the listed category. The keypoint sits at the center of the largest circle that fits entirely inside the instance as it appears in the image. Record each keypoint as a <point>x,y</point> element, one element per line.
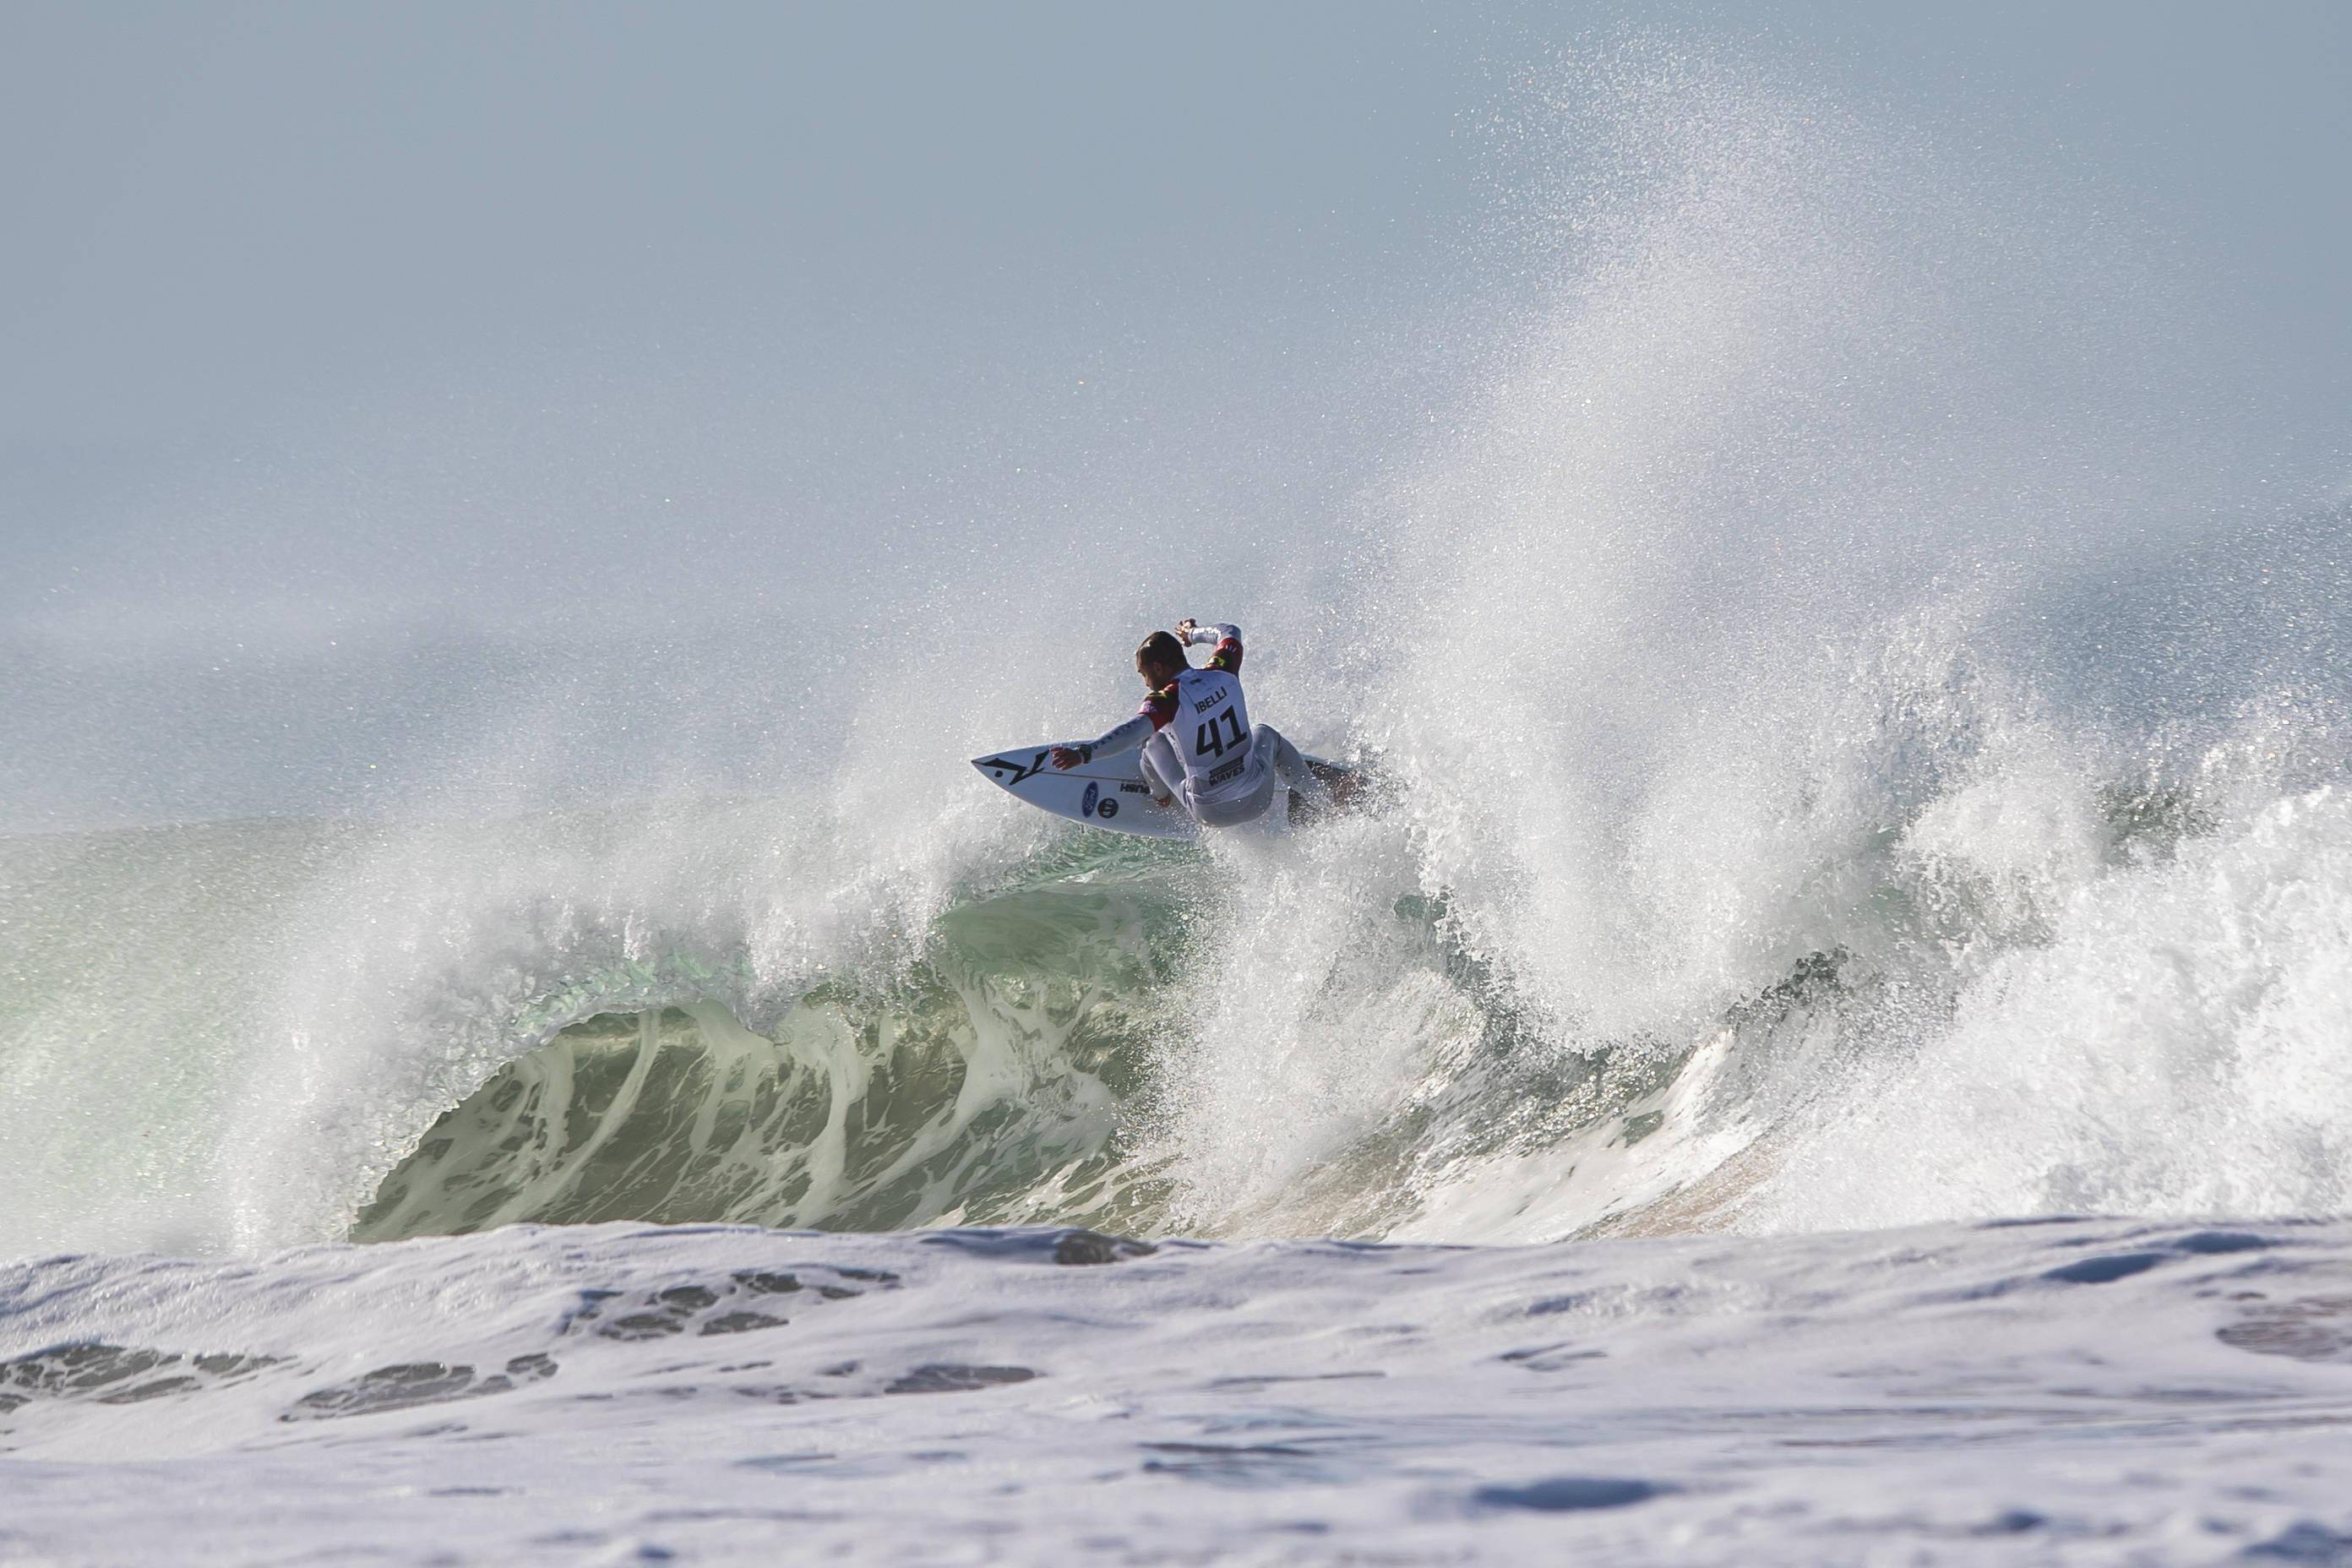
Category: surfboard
<point>1110,792</point>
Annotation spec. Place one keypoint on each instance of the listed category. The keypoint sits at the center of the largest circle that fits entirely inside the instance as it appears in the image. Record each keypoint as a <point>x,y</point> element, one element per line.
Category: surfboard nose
<point>1012,768</point>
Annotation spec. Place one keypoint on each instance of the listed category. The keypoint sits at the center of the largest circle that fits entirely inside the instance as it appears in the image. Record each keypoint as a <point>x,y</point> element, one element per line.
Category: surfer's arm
<point>1157,709</point>
<point>1225,636</point>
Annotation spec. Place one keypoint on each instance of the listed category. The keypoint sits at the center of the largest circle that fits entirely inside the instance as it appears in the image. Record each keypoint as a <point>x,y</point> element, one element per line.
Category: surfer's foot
<point>1164,800</point>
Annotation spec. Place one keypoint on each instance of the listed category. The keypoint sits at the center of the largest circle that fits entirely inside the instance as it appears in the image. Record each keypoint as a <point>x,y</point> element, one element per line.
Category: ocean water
<point>2105,1391</point>
<point>1862,759</point>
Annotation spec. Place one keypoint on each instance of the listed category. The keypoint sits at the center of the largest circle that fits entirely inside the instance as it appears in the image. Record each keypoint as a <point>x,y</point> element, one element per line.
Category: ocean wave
<point>1856,754</point>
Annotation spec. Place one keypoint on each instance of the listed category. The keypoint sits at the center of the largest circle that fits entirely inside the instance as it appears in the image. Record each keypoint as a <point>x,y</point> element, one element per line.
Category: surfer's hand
<point>1068,756</point>
<point>1185,628</point>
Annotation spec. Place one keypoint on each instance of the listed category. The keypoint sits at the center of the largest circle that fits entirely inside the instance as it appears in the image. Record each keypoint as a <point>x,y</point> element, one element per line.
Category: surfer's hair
<point>1160,648</point>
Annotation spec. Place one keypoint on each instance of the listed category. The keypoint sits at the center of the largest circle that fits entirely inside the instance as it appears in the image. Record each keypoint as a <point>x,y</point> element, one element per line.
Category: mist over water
<point>1861,711</point>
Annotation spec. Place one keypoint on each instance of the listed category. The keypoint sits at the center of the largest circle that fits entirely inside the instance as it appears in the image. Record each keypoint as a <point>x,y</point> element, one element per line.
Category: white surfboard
<point>1110,792</point>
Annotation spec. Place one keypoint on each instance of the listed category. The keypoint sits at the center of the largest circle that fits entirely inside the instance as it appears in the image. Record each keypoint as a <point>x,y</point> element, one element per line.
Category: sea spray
<point>1855,746</point>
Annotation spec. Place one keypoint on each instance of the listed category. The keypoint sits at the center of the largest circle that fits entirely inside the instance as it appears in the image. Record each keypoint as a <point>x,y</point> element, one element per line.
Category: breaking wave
<point>1854,756</point>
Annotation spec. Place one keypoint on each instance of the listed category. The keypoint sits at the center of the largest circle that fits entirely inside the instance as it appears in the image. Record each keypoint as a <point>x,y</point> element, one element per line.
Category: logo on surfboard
<point>1086,804</point>
<point>1018,772</point>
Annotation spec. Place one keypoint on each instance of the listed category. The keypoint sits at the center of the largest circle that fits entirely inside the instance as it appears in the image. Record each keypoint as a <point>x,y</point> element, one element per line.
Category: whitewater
<point>1830,1043</point>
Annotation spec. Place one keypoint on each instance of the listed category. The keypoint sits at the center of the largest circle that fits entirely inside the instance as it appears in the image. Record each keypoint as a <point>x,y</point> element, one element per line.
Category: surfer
<point>1199,746</point>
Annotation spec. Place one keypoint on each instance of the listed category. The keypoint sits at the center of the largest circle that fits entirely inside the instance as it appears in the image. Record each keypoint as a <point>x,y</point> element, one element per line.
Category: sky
<point>320,320</point>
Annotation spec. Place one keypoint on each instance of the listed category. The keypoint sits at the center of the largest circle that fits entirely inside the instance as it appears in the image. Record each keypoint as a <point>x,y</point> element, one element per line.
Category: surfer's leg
<point>1287,763</point>
<point>1162,770</point>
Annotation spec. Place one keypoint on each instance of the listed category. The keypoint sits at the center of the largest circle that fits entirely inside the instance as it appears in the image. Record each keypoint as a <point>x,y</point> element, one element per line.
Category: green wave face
<point>1042,1064</point>
<point>1001,1083</point>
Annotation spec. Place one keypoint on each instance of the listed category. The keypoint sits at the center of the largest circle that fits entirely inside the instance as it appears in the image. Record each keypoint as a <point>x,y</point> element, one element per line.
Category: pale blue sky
<point>269,235</point>
<point>334,317</point>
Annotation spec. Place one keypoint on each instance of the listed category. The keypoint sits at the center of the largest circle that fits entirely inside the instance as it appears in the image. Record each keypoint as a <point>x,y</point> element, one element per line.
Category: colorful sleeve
<point>1228,654</point>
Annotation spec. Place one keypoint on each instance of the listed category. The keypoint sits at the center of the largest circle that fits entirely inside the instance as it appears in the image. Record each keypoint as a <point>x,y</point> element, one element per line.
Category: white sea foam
<point>2081,1393</point>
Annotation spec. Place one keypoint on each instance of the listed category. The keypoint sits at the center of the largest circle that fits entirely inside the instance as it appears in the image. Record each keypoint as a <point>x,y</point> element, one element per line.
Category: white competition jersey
<point>1210,730</point>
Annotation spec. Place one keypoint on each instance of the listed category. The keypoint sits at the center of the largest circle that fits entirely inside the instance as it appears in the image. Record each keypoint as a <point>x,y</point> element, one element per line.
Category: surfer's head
<point>1159,659</point>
